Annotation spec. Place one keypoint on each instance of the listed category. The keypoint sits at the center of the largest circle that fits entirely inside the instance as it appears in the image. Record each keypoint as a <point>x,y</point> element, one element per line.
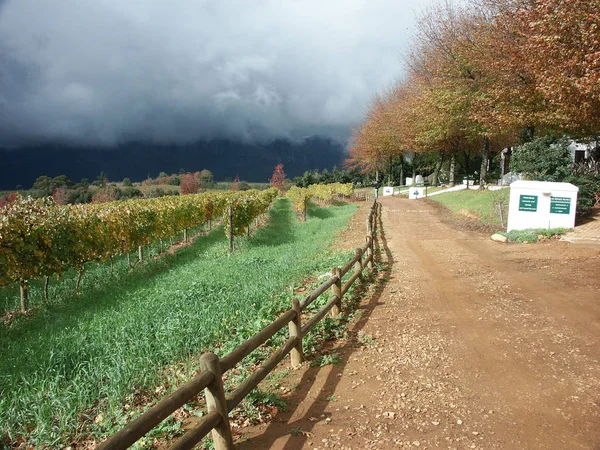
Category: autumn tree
<point>278,178</point>
<point>189,184</point>
<point>235,186</point>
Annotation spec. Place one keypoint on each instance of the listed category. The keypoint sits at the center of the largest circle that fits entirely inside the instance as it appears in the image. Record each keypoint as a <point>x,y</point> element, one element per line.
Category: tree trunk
<point>79,276</point>
<point>467,158</point>
<point>46,282</point>
<point>528,133</point>
<point>24,291</point>
<point>452,175</point>
<point>402,171</point>
<point>436,172</point>
<point>485,158</point>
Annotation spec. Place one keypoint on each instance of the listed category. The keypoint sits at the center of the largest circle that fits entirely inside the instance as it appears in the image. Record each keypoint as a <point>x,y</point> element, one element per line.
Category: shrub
<point>589,191</point>
<point>544,159</point>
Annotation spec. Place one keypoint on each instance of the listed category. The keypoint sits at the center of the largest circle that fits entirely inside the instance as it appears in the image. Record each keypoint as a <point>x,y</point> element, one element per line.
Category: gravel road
<point>462,343</point>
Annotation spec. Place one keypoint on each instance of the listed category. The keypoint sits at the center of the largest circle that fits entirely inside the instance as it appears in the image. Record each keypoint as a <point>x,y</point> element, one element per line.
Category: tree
<point>278,178</point>
<point>101,179</point>
<point>235,186</point>
<point>7,199</point>
<point>61,196</point>
<point>206,178</point>
<point>127,182</point>
<point>189,184</point>
<point>105,194</point>
<point>544,159</point>
<point>43,185</point>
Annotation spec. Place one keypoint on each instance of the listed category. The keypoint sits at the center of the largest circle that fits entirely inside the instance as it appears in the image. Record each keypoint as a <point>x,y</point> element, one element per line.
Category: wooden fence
<point>210,378</point>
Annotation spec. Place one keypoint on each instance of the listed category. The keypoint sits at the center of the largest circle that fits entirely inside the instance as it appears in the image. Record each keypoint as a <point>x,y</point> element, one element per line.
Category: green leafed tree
<point>544,159</point>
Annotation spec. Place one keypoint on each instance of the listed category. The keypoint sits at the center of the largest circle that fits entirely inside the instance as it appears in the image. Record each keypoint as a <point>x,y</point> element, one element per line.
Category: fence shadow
<point>318,212</point>
<point>298,430</point>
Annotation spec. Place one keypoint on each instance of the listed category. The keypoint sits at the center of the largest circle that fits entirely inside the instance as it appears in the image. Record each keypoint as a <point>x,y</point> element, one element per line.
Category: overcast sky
<point>100,72</point>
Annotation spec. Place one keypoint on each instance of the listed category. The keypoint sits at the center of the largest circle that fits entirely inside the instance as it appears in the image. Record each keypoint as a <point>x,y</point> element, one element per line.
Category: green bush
<point>532,234</point>
<point>544,159</point>
<point>589,187</point>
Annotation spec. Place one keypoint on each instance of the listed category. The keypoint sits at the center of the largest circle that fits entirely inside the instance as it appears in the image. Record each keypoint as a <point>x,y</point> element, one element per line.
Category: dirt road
<point>463,343</point>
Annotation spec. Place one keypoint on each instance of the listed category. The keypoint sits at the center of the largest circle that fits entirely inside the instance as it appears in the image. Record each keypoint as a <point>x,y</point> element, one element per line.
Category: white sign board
<point>416,192</point>
<point>388,190</point>
<point>541,204</point>
<point>408,181</point>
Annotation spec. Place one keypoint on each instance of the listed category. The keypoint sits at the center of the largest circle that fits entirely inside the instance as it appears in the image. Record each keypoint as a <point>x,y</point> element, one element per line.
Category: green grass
<point>481,204</point>
<point>66,372</point>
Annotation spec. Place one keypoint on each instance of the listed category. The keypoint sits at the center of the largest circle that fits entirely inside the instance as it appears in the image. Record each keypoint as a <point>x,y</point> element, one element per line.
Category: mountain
<point>137,160</point>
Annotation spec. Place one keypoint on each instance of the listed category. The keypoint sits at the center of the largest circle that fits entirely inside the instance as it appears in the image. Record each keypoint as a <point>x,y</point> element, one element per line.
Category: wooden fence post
<point>369,240</point>
<point>369,226</point>
<point>24,294</point>
<point>230,229</point>
<point>295,327</point>
<point>140,253</point>
<point>215,401</point>
<point>358,267</point>
<point>337,291</point>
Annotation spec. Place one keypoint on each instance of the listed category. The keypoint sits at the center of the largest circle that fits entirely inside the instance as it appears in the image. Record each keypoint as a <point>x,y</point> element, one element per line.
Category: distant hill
<point>137,160</point>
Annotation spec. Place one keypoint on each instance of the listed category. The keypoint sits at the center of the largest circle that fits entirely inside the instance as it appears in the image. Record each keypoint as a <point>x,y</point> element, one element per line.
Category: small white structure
<point>416,192</point>
<point>388,190</point>
<point>408,181</point>
<point>541,204</point>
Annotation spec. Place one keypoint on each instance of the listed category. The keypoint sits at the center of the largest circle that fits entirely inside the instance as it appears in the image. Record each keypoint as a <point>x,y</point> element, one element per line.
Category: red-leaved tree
<point>61,196</point>
<point>189,184</point>
<point>235,186</point>
<point>278,178</point>
<point>8,199</point>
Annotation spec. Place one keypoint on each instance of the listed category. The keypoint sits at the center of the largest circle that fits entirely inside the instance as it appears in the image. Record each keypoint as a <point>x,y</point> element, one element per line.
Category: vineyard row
<point>40,238</point>
<point>301,196</point>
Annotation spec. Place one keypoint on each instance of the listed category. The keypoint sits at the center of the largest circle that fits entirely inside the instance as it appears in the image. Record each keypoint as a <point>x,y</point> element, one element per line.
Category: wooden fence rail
<point>211,377</point>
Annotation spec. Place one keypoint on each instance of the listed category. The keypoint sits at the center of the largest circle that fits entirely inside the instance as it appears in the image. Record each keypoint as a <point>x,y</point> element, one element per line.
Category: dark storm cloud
<point>105,71</point>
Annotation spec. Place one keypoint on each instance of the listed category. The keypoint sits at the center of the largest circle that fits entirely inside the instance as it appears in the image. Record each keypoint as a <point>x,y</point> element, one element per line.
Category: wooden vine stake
<point>295,328</point>
<point>230,229</point>
<point>140,253</point>
<point>46,282</point>
<point>215,401</point>
<point>24,291</point>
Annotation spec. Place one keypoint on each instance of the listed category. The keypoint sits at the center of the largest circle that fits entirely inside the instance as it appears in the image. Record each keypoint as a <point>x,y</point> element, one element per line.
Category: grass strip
<point>480,204</point>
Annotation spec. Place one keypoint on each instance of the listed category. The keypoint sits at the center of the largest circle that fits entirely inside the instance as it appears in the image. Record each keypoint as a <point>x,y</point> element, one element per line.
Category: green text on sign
<point>528,203</point>
<point>560,205</point>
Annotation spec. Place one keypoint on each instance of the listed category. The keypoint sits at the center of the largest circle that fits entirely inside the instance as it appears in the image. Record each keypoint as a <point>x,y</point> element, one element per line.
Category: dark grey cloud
<point>105,71</point>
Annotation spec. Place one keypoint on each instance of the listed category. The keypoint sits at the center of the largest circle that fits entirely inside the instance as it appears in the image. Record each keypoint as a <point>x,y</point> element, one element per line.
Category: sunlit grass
<point>478,203</point>
<point>66,372</point>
